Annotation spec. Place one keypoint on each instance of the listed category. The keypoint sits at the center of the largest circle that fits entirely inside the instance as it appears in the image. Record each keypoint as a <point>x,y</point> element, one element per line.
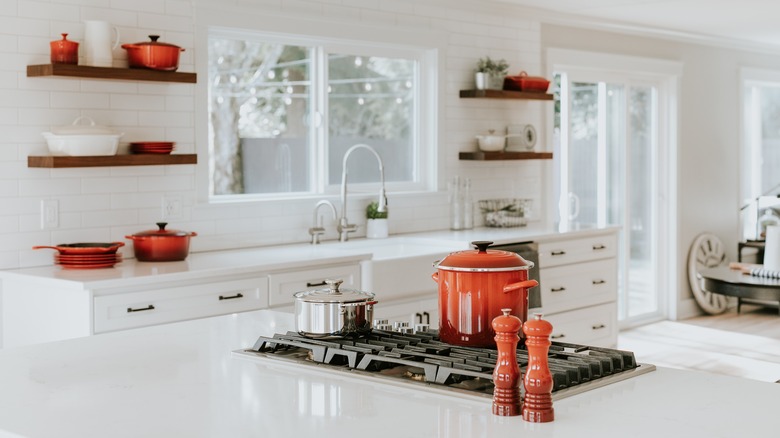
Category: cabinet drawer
<point>579,285</point>
<point>577,250</point>
<point>284,284</point>
<point>138,309</point>
<point>596,325</point>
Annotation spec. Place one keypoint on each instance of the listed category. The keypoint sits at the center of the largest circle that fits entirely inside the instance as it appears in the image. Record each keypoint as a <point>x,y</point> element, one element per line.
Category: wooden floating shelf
<point>85,71</point>
<point>54,162</point>
<point>505,94</point>
<point>497,156</point>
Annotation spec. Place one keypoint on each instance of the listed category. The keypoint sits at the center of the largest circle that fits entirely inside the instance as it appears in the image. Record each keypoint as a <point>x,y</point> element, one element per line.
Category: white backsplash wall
<point>105,204</point>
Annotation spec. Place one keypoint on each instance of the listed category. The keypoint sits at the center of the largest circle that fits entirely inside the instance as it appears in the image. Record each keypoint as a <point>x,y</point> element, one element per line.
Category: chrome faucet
<point>344,227</point>
<point>317,230</point>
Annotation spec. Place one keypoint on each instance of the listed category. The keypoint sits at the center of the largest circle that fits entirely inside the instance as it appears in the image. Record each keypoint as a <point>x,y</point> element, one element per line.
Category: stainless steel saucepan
<point>333,312</point>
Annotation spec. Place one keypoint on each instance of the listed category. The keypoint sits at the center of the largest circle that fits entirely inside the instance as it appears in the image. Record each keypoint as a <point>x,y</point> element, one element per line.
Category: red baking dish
<point>523,82</point>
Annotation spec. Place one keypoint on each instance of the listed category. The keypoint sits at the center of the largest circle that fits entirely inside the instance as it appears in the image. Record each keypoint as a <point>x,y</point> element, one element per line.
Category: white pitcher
<point>98,43</point>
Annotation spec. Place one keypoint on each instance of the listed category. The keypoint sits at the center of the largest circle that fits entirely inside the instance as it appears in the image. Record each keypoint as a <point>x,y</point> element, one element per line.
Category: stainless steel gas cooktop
<point>419,359</point>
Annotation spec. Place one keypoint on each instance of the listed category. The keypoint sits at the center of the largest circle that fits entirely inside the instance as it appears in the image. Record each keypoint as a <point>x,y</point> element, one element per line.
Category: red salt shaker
<point>537,404</point>
<point>64,51</point>
<point>506,375</point>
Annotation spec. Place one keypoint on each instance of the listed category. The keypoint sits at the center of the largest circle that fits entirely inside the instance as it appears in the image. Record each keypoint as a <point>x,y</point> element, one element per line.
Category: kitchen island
<point>184,380</point>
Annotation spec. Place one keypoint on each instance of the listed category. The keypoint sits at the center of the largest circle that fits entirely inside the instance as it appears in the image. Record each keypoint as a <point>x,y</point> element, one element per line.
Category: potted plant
<point>376,221</point>
<point>490,73</point>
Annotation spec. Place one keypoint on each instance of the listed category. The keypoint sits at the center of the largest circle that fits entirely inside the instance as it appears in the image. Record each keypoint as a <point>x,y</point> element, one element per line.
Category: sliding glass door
<point>608,129</point>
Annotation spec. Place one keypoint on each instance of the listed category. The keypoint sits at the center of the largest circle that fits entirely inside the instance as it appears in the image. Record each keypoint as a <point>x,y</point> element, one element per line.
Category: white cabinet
<point>414,311</point>
<point>579,288</point>
<point>284,284</point>
<point>159,306</point>
<point>43,312</point>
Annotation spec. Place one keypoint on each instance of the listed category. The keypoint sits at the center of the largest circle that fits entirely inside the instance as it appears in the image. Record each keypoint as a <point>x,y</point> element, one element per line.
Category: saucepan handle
<point>523,284</point>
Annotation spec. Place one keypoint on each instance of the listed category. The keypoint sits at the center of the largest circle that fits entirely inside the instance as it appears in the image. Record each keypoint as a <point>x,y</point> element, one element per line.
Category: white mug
<point>98,44</point>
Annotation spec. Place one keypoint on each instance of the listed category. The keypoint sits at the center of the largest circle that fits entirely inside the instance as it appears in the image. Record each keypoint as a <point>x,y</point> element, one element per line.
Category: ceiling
<point>752,22</point>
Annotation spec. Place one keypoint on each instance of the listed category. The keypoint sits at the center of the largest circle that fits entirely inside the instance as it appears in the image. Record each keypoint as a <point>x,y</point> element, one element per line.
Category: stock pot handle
<point>435,277</point>
<point>523,284</point>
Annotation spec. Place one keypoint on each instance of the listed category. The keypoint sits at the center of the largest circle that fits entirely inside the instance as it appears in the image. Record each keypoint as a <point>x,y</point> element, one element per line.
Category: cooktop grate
<point>420,358</point>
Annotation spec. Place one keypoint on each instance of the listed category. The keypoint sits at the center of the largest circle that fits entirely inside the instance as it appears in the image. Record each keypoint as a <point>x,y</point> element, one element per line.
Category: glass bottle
<point>468,206</point>
<point>456,204</point>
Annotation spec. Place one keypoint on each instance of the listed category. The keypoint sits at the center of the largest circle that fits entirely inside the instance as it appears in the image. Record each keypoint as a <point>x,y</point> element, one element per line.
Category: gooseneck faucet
<point>344,227</point>
<point>317,229</point>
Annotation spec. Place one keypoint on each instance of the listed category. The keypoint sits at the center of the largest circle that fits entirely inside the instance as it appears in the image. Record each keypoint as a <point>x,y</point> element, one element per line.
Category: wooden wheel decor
<point>706,252</point>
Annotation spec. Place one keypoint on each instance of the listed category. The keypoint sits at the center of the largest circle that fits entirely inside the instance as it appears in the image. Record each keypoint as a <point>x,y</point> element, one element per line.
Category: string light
<point>367,87</point>
<point>361,101</point>
<point>358,61</point>
<point>271,74</point>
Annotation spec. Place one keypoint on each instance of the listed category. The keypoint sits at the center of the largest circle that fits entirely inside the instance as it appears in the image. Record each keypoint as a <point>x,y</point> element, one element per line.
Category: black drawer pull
<point>599,326</point>
<point>321,283</point>
<point>597,282</point>
<point>233,297</point>
<point>558,289</point>
<point>142,309</point>
<point>427,317</point>
<point>558,253</point>
<point>558,336</point>
<point>599,247</point>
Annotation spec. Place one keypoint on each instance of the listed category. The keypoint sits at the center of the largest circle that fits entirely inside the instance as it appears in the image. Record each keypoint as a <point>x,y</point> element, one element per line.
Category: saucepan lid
<point>333,294</point>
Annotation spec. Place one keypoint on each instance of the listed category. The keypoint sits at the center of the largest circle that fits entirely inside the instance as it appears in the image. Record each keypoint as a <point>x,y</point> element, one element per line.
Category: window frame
<point>427,58</point>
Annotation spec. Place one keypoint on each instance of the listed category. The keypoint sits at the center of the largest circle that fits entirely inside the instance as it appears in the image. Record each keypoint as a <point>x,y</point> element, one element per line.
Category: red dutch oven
<point>161,245</point>
<point>153,54</point>
<point>474,286</point>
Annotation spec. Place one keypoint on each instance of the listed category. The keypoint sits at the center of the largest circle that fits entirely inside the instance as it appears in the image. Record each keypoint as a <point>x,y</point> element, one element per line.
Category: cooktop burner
<point>421,359</point>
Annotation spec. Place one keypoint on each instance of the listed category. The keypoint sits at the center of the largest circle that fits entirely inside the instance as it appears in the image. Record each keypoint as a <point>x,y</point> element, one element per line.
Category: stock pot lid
<point>333,294</point>
<point>484,260</point>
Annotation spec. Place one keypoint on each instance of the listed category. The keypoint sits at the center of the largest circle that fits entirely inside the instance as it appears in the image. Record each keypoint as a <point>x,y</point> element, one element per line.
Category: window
<point>761,149</point>
<point>284,110</point>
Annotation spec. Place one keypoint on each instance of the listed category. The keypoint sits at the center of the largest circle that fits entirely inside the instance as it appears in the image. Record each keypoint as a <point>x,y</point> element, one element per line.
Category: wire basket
<point>505,212</point>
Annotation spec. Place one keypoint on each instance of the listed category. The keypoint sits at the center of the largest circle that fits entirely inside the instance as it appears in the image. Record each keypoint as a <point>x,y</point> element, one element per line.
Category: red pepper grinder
<point>537,404</point>
<point>506,375</point>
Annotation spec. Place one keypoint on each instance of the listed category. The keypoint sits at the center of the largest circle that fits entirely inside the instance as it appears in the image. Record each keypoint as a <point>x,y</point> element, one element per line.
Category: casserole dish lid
<point>79,128</point>
<point>483,260</point>
<point>333,294</point>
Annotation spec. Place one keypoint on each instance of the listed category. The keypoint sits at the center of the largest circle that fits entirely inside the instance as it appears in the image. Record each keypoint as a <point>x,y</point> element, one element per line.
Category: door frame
<point>665,75</point>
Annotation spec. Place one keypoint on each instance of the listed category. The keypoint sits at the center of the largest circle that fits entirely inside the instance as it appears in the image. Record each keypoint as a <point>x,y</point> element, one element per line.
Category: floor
<point>744,345</point>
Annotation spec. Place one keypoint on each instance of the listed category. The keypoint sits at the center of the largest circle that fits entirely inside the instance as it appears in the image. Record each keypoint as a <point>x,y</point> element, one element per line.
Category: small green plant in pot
<point>490,73</point>
<point>376,221</point>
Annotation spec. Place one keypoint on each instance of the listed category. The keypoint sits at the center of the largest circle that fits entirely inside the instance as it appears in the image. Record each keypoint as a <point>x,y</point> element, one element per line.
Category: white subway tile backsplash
<point>46,187</point>
<point>165,118</point>
<point>108,203</point>
<point>80,100</point>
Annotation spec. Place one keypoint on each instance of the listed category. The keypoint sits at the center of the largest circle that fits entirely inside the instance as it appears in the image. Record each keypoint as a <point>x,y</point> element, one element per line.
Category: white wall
<point>105,204</point>
<point>708,156</point>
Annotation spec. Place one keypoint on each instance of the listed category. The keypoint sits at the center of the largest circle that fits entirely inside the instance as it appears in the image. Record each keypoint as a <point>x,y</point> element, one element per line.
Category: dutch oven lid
<point>153,42</point>
<point>332,294</point>
<point>484,260</point>
<point>162,232</point>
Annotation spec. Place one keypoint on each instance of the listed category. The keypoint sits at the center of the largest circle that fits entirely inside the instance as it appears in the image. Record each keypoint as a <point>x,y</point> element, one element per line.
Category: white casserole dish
<point>82,140</point>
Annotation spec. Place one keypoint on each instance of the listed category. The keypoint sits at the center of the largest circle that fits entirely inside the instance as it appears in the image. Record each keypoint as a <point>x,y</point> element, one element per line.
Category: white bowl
<point>491,143</point>
<point>79,145</point>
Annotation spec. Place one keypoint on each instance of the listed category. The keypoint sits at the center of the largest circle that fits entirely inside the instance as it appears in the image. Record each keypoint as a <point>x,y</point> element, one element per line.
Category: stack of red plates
<point>152,147</point>
<point>87,261</point>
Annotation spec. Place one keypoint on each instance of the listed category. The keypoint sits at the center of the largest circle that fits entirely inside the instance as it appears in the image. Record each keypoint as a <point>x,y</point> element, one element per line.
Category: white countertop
<point>182,380</point>
<point>202,265</point>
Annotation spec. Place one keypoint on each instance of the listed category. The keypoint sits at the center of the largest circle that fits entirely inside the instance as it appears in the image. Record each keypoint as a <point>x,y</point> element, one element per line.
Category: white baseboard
<point>686,309</point>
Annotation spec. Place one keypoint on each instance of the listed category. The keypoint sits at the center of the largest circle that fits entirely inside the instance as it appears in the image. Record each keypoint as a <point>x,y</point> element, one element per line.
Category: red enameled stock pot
<point>474,285</point>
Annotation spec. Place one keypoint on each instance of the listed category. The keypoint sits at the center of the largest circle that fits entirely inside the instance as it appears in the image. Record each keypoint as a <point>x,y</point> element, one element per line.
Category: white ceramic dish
<point>82,140</point>
<point>82,144</point>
